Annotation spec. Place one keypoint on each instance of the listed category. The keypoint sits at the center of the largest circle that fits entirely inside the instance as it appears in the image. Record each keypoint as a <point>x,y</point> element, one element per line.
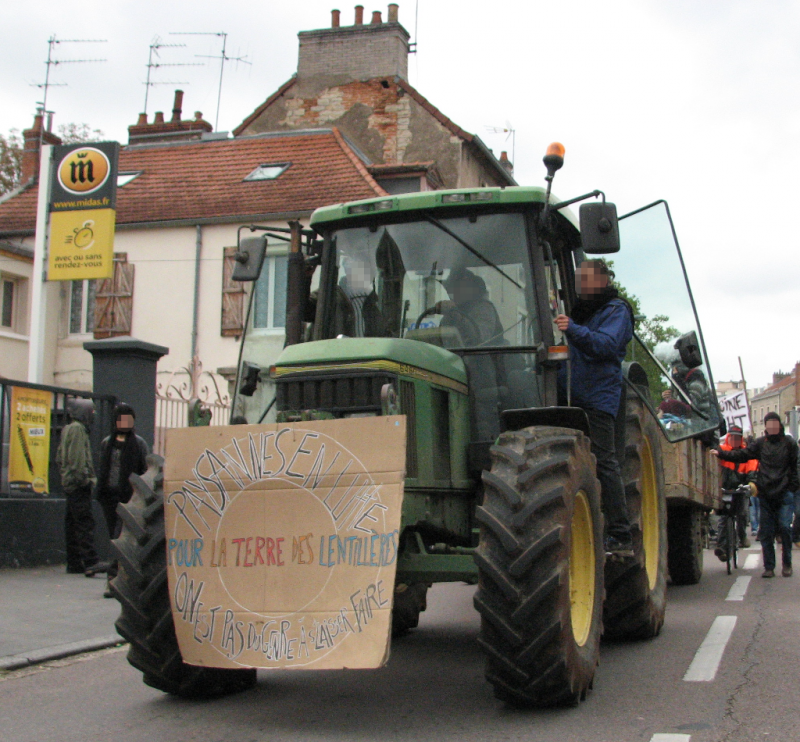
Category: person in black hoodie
<point>776,481</point>
<point>121,454</point>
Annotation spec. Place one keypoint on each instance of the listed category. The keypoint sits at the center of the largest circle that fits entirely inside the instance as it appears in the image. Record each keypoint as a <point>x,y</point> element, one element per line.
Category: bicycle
<point>731,509</point>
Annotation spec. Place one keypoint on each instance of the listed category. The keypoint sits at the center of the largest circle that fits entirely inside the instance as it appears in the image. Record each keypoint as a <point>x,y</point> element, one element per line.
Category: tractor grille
<point>408,406</point>
<point>357,392</point>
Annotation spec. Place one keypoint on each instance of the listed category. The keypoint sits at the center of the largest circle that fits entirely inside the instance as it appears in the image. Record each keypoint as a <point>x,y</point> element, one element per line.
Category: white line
<point>739,588</point>
<point>706,661</point>
<point>670,738</point>
<point>752,562</point>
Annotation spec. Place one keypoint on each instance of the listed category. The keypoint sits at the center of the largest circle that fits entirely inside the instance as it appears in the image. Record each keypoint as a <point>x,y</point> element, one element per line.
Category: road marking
<point>671,738</point>
<point>706,660</point>
<point>752,562</point>
<point>739,588</point>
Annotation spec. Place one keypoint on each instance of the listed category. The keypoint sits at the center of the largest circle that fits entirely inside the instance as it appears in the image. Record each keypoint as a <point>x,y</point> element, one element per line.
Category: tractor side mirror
<point>599,228</point>
<point>689,350</point>
<point>249,378</point>
<point>249,259</point>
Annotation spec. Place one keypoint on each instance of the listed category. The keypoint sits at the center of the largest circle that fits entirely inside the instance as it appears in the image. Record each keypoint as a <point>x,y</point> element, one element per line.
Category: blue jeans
<point>776,517</point>
<point>754,514</point>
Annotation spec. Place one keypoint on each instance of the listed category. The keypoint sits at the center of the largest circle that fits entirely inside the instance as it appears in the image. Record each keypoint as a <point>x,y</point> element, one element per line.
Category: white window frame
<point>269,264</point>
<point>18,326</point>
<point>84,309</point>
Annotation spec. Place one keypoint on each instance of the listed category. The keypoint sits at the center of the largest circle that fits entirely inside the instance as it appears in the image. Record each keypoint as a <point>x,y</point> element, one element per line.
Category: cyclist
<point>734,475</point>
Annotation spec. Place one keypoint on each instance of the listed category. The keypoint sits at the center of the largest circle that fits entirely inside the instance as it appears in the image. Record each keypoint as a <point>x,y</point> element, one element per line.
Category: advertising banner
<point>734,410</point>
<point>83,188</point>
<point>29,440</point>
<point>282,541</point>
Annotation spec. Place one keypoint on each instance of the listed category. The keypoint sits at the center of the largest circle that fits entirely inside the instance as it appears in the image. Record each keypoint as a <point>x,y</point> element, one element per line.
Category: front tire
<point>141,588</point>
<point>636,589</point>
<point>540,565</point>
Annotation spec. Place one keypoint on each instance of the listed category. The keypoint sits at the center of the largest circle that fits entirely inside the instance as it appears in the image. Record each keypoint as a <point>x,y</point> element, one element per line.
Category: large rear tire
<point>540,565</point>
<point>141,588</point>
<point>685,544</point>
<point>636,589</point>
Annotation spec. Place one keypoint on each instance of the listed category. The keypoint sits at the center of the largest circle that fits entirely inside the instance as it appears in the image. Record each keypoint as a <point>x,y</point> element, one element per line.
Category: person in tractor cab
<point>598,332</point>
<point>776,483</point>
<point>734,475</point>
<point>469,309</point>
<point>357,311</point>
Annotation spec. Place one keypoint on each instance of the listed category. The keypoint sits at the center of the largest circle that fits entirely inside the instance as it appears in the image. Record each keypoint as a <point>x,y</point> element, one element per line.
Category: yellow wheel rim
<point>582,570</point>
<point>651,533</point>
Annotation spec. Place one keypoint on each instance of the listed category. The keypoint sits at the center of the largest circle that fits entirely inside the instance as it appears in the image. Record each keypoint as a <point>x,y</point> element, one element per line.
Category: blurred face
<point>359,272</point>
<point>589,282</point>
<point>773,427</point>
<point>125,423</point>
<point>464,291</point>
<point>736,440</point>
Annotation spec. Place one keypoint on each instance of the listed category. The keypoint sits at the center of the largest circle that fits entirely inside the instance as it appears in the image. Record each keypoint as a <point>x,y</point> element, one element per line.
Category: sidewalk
<point>46,614</point>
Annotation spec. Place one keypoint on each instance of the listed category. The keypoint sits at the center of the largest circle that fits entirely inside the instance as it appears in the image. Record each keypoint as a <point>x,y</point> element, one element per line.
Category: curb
<point>17,661</point>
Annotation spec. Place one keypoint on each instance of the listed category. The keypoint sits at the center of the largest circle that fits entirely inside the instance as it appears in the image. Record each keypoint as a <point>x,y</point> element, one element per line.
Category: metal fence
<point>186,398</point>
<point>104,411</point>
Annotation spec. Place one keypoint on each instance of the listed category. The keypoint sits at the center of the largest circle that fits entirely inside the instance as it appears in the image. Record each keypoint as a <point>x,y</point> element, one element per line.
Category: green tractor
<point>439,306</point>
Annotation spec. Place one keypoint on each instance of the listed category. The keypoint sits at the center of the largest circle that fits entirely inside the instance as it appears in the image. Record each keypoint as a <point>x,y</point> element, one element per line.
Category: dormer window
<point>124,178</point>
<point>268,171</point>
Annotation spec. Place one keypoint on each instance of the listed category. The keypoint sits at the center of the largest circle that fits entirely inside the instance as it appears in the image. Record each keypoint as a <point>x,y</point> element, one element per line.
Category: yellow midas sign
<point>81,245</point>
<point>282,542</point>
<point>29,439</point>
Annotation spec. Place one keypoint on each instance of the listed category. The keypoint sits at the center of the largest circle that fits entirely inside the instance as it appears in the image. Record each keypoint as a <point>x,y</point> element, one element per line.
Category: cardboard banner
<point>734,410</point>
<point>282,541</point>
<point>81,245</point>
<point>29,440</point>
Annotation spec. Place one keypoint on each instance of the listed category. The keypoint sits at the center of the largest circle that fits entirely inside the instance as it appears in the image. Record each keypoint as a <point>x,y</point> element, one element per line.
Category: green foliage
<point>77,133</point>
<point>10,161</point>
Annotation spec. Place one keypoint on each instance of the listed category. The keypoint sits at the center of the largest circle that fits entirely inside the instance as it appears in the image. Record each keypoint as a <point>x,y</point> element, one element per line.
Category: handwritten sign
<point>734,409</point>
<point>282,542</point>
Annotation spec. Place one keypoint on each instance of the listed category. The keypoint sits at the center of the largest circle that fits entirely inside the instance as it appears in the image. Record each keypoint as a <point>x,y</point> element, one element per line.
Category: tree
<point>77,133</point>
<point>10,161</point>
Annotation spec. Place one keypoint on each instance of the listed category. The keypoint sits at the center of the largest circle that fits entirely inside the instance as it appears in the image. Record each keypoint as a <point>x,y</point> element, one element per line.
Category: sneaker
<point>618,549</point>
<point>722,555</point>
<point>97,568</point>
<point>745,543</point>
<point>768,573</point>
<point>787,570</point>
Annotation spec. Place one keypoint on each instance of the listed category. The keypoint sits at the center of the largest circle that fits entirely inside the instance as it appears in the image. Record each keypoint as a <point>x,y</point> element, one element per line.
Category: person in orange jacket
<point>734,475</point>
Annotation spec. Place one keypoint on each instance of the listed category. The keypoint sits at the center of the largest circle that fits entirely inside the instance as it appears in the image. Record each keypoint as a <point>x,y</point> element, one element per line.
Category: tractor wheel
<point>636,589</point>
<point>409,602</point>
<point>686,539</point>
<point>540,567</point>
<point>141,588</point>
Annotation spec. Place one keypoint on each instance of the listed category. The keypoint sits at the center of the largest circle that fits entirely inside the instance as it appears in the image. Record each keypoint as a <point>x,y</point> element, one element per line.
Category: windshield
<point>649,269</point>
<point>456,283</point>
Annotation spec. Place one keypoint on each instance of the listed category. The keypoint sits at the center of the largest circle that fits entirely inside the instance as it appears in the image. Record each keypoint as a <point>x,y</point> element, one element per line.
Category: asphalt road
<point>433,686</point>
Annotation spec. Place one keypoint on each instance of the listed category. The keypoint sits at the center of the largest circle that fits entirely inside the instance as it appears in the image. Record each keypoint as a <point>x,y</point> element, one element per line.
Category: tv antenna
<point>51,62</point>
<point>509,131</point>
<point>151,65</point>
<point>223,57</point>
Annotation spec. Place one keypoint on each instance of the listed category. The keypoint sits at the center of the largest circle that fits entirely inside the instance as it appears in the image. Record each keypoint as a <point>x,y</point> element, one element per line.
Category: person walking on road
<point>776,482</point>
<point>733,476</point>
<point>121,454</point>
<point>598,332</point>
<point>74,459</point>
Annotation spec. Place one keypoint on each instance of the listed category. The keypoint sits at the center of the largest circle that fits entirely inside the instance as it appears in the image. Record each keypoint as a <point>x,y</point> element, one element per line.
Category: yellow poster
<point>29,440</point>
<point>81,244</point>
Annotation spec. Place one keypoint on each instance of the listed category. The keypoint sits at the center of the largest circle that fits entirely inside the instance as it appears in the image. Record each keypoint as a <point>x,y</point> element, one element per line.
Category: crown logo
<point>81,155</point>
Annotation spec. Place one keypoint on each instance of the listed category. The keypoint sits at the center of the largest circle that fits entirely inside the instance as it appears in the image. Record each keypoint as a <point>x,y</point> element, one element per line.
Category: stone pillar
<point>126,368</point>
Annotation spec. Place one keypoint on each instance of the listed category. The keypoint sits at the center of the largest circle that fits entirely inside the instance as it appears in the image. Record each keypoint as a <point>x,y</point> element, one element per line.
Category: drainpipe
<point>196,305</point>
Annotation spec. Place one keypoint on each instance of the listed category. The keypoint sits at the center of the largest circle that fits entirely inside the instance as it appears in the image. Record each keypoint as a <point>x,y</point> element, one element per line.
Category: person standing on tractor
<point>776,482</point>
<point>598,332</point>
<point>733,476</point>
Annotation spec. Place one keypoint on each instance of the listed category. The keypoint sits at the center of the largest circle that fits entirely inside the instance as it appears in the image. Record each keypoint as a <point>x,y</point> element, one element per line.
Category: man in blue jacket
<point>598,333</point>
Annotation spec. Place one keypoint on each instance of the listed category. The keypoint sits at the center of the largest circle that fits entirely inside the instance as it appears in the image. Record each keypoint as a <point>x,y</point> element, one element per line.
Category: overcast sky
<point>693,102</point>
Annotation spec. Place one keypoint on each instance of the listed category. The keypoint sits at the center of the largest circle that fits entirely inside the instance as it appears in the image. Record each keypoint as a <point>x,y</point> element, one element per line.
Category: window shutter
<point>113,309</point>
<point>233,296</point>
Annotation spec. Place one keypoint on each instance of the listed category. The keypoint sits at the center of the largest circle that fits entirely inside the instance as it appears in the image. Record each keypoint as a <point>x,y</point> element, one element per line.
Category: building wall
<point>14,340</point>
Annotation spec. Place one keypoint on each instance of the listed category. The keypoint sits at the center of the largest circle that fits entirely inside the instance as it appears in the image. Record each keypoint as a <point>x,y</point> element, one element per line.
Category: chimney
<point>335,19</point>
<point>376,17</point>
<point>359,15</point>
<point>159,117</point>
<point>33,138</point>
<point>142,120</point>
<point>392,15</point>
<point>506,163</point>
<point>177,105</point>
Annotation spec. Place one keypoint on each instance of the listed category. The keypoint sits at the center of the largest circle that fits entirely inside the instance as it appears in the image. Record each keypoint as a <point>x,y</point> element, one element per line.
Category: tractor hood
<point>406,357</point>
